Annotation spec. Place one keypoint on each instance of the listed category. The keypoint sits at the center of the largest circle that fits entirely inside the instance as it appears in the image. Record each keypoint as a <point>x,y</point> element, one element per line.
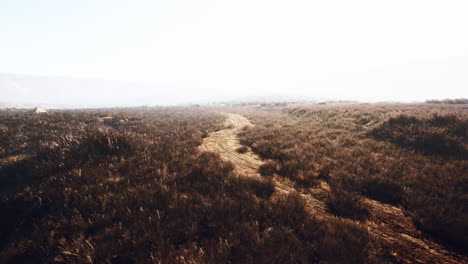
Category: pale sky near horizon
<point>365,50</point>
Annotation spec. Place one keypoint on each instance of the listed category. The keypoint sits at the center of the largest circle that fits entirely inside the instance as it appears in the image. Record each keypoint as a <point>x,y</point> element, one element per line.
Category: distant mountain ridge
<point>25,91</point>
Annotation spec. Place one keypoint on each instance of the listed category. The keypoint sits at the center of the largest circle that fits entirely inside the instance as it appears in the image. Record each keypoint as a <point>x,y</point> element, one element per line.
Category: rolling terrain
<point>388,224</point>
<point>276,184</point>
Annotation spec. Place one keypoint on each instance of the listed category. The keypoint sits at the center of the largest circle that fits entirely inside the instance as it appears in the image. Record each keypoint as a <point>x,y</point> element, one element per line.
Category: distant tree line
<point>449,101</point>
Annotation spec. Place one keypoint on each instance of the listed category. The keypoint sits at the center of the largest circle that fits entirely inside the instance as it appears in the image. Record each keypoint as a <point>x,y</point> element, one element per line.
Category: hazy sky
<point>368,50</point>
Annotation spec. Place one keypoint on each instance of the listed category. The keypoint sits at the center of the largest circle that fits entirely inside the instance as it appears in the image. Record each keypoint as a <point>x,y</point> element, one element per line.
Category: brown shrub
<point>353,241</point>
<point>439,203</point>
<point>268,168</point>
<point>346,204</point>
<point>383,189</point>
<point>242,149</point>
<point>438,135</point>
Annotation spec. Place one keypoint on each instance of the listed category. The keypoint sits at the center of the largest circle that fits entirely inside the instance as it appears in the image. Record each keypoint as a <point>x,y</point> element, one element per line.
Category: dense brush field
<point>414,156</point>
<point>130,186</point>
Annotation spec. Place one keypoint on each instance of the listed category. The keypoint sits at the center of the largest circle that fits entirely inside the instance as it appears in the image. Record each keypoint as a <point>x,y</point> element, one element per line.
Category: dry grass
<point>414,156</point>
<point>170,204</point>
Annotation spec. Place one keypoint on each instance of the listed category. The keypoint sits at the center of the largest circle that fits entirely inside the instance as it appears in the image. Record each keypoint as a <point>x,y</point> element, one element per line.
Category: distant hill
<point>24,91</point>
<point>254,100</point>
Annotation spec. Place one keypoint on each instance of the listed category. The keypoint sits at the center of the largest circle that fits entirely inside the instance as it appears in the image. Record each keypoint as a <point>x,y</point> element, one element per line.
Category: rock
<point>370,123</point>
<point>39,110</point>
<point>105,119</point>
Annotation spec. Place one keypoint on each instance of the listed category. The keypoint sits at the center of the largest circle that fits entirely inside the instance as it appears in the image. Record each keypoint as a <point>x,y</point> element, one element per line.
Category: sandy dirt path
<point>225,142</point>
<point>393,228</point>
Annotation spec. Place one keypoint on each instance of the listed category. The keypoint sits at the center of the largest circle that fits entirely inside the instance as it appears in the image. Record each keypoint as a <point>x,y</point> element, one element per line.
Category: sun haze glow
<point>191,50</point>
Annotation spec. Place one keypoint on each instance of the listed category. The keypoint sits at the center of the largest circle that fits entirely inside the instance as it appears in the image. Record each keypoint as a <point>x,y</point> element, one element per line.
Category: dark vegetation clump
<point>410,156</point>
<point>438,135</point>
<point>268,168</point>
<point>130,186</point>
<point>439,202</point>
<point>383,189</point>
<point>346,203</point>
<point>242,149</point>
